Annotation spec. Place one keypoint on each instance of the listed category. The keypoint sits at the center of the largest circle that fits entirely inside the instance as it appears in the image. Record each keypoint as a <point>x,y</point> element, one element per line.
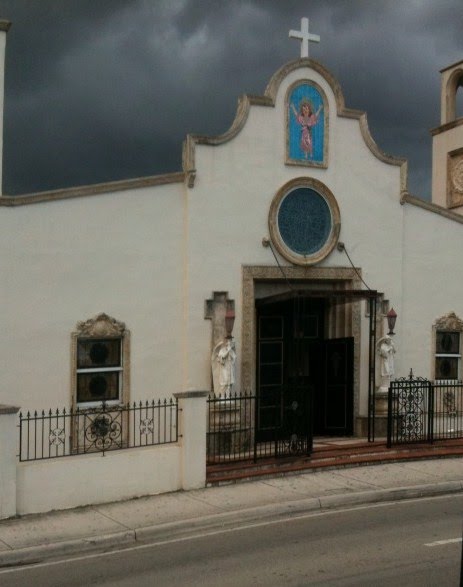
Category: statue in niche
<point>386,350</point>
<point>223,366</point>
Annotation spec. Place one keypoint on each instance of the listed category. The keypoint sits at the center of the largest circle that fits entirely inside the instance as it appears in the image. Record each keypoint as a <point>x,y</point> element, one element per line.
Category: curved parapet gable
<point>268,99</point>
<point>244,104</point>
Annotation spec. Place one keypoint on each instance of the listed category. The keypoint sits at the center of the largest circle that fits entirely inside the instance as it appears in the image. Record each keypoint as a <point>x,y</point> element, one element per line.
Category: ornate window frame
<point>102,327</point>
<point>450,323</point>
<point>277,240</point>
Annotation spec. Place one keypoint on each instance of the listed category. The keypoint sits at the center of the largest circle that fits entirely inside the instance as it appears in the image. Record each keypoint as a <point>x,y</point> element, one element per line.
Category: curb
<point>222,521</point>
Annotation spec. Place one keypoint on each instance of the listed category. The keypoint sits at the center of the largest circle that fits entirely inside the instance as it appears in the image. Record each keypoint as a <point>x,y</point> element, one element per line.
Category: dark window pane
<point>446,368</point>
<point>97,387</point>
<point>271,352</point>
<point>271,327</point>
<point>98,353</point>
<point>448,343</point>
<point>270,374</point>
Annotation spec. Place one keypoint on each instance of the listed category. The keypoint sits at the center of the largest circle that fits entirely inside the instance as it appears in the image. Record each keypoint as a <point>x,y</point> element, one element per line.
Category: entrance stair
<point>330,453</point>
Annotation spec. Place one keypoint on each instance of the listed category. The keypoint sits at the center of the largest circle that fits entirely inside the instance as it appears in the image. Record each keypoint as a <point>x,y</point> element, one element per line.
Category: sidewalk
<point>35,538</point>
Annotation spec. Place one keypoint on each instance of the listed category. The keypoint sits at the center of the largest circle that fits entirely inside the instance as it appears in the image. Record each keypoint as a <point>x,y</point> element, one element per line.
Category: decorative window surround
<point>100,348</point>
<point>447,347</point>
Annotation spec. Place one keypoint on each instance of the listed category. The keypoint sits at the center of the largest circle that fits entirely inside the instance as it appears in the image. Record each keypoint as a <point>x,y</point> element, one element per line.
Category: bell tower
<point>447,144</point>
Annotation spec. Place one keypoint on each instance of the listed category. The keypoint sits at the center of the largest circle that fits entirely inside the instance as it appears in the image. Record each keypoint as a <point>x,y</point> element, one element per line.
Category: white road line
<point>442,542</point>
<point>240,525</point>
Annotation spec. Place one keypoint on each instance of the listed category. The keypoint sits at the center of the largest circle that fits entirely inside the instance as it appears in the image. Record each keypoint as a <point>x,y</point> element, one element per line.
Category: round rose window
<point>304,221</point>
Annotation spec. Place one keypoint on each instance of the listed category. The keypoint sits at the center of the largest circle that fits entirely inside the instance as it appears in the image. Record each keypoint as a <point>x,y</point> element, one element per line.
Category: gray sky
<point>99,90</point>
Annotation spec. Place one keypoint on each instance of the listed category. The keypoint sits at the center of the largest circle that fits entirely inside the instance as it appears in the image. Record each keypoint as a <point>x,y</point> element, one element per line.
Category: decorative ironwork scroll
<point>294,434</point>
<point>408,418</point>
<point>103,428</point>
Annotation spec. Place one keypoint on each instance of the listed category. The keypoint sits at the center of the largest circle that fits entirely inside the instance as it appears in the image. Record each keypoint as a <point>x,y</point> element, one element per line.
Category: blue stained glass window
<point>304,221</point>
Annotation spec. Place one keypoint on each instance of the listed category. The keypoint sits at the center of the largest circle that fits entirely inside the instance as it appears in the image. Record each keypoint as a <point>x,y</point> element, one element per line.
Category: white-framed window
<point>448,339</point>
<point>99,370</point>
<point>448,355</point>
<point>100,362</point>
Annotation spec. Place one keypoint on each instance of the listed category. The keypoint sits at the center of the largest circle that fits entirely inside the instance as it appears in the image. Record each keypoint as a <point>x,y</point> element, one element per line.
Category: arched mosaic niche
<point>306,125</point>
<point>304,221</point>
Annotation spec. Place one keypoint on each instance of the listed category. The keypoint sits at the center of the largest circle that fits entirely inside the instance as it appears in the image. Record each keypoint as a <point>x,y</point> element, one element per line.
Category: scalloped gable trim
<point>268,99</point>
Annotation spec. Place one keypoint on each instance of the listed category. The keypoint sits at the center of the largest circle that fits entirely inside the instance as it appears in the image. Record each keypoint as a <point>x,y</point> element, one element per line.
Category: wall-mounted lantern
<point>229,321</point>
<point>391,319</point>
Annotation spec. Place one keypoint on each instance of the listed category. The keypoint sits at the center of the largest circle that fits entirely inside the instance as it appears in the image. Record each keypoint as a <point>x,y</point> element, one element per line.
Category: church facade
<point>293,223</point>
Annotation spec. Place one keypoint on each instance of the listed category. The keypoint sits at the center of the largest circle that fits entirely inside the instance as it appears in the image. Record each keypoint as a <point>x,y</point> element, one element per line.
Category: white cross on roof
<point>304,36</point>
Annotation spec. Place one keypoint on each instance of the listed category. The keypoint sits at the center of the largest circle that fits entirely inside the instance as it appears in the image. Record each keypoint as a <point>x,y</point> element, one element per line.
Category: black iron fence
<point>62,433</point>
<point>420,410</point>
<point>242,426</point>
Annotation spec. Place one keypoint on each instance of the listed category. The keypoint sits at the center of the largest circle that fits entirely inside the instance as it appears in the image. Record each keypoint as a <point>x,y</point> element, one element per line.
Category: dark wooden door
<point>336,399</point>
<point>289,354</point>
<point>303,381</point>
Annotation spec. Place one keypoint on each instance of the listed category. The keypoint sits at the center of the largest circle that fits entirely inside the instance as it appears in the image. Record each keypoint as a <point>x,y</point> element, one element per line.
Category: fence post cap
<point>188,394</point>
<point>4,409</point>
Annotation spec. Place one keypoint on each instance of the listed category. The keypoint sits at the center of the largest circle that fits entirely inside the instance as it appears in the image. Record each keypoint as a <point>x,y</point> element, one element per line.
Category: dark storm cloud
<point>107,90</point>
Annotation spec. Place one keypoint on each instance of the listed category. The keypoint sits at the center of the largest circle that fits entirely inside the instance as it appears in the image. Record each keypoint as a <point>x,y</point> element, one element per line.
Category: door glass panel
<point>271,352</point>
<point>270,327</point>
<point>271,374</point>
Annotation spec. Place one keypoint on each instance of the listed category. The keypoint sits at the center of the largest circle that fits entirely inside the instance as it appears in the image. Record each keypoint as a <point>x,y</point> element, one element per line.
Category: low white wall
<point>92,478</point>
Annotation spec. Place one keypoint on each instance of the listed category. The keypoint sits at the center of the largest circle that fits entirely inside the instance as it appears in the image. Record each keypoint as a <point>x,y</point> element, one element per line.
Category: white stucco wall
<point>91,479</point>
<point>432,284</point>
<point>66,261</point>
<point>3,34</point>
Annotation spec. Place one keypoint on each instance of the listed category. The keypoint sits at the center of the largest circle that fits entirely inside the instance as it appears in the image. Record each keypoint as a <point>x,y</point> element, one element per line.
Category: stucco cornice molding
<point>100,325</point>
<point>414,201</point>
<point>451,66</point>
<point>268,99</point>
<point>5,25</point>
<point>91,190</point>
<point>447,126</point>
<point>449,322</point>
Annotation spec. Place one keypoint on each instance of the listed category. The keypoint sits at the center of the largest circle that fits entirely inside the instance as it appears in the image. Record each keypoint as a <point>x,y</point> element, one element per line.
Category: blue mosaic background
<point>318,131</point>
<point>304,221</point>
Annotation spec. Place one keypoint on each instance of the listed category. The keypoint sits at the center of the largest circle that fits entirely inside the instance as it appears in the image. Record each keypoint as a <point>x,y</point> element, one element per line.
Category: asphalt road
<point>406,543</point>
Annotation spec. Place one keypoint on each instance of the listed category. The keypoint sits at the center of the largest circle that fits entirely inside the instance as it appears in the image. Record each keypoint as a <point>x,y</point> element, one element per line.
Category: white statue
<point>223,366</point>
<point>386,351</point>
